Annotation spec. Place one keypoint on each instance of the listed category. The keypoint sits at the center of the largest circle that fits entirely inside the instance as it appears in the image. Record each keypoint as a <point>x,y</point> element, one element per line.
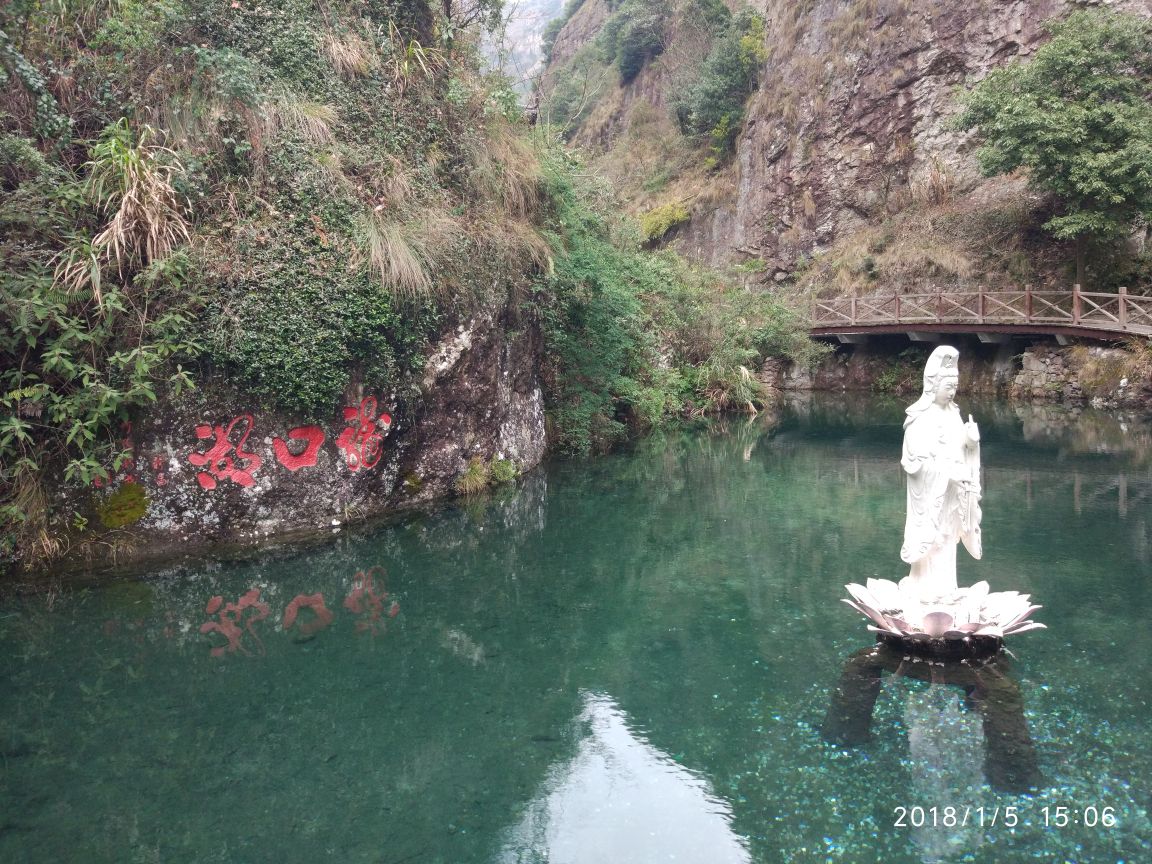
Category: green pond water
<point>624,660</point>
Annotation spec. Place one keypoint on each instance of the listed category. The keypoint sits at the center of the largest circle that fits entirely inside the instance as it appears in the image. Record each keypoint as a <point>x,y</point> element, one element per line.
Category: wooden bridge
<point>993,315</point>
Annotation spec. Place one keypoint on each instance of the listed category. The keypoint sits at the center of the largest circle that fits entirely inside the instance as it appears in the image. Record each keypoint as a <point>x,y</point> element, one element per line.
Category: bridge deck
<point>1072,313</point>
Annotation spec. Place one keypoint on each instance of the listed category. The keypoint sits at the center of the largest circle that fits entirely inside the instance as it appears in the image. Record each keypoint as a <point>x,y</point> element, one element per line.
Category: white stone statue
<point>927,611</point>
<point>942,460</point>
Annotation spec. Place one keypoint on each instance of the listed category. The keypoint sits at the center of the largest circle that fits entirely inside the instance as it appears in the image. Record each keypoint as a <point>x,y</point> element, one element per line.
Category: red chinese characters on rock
<point>221,466</point>
<point>158,471</point>
<point>361,442</point>
<point>368,605</point>
<point>234,620</point>
<point>312,436</point>
<point>321,616</point>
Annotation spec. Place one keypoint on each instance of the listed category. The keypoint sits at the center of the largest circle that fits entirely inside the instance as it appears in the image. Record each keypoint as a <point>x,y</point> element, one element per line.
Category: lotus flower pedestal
<point>965,624</point>
<point>925,614</point>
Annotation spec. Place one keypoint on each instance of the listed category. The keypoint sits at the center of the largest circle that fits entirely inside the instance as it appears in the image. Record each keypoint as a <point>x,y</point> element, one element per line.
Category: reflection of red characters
<point>220,465</point>
<point>363,600</point>
<point>231,617</point>
<point>361,443</point>
<point>322,617</point>
<point>312,436</point>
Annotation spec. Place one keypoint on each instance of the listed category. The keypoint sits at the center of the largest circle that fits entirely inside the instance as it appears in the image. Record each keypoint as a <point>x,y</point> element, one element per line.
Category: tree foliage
<point>634,35</point>
<point>713,104</point>
<point>634,338</point>
<point>1078,117</point>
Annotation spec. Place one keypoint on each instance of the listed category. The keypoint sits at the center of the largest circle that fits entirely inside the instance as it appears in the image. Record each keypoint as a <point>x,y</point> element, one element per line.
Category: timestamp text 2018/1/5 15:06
<point>1052,816</point>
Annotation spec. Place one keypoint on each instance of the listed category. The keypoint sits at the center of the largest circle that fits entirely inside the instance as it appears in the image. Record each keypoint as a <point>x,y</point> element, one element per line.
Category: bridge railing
<point>1121,311</point>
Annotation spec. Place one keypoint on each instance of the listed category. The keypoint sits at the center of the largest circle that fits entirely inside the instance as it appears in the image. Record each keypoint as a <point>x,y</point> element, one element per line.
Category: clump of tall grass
<point>475,477</point>
<point>394,254</point>
<point>410,61</point>
<point>351,55</point>
<point>312,121</point>
<point>131,178</point>
<point>506,168</point>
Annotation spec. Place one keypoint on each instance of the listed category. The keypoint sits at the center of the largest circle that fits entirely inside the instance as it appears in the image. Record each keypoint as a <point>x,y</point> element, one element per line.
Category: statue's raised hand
<point>972,431</point>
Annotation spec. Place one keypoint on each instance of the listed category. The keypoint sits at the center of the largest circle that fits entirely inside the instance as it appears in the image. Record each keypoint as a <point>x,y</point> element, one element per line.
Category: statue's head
<point>941,374</point>
<point>941,378</point>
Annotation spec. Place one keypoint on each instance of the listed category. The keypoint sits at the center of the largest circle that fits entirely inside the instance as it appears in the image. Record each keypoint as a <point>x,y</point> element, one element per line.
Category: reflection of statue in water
<point>942,460</point>
<point>970,718</point>
<point>1010,763</point>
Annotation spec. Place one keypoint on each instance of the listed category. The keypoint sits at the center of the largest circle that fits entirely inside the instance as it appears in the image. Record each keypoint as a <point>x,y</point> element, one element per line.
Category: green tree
<point>1079,118</point>
<point>713,104</point>
<point>633,36</point>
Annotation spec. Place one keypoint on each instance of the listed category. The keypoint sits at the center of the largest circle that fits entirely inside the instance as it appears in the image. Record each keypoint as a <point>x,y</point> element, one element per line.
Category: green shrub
<point>660,220</point>
<point>600,342</point>
<point>634,35</point>
<point>713,104</point>
<point>633,338</point>
<point>75,361</point>
<point>502,471</point>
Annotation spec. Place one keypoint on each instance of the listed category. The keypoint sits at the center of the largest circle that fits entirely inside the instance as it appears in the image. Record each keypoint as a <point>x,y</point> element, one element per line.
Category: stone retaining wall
<point>1103,377</point>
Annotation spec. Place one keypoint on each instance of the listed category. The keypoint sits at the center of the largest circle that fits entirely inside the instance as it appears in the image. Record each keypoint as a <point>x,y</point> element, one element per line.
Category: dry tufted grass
<point>312,121</point>
<point>507,169</point>
<point>351,55</point>
<point>394,253</point>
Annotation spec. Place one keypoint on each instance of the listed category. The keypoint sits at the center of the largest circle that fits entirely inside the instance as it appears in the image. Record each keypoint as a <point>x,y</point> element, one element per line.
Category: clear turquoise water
<point>626,660</point>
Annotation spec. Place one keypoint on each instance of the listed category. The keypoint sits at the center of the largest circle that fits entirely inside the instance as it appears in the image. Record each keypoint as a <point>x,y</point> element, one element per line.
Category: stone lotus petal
<point>863,596</point>
<point>867,604</point>
<point>899,623</point>
<point>876,629</point>
<point>896,609</point>
<point>937,623</point>
<point>886,593</point>
<point>1020,617</point>
<point>1024,627</point>
<point>859,608</point>
<point>867,612</point>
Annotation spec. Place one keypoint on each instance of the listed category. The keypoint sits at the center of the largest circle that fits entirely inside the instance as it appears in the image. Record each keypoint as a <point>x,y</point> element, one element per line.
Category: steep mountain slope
<point>846,148</point>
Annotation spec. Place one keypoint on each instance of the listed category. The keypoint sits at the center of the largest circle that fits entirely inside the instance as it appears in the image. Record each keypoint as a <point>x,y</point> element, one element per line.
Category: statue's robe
<point>941,512</point>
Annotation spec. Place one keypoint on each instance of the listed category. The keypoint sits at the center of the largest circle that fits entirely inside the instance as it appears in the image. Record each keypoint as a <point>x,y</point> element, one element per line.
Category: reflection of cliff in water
<point>1071,430</point>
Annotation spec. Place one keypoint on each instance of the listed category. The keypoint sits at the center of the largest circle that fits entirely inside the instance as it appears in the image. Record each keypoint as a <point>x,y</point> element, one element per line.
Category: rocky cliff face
<point>211,469</point>
<point>851,120</point>
<point>1077,376</point>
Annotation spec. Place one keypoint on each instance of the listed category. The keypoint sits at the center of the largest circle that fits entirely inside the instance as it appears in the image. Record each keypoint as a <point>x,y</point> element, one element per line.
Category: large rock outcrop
<point>851,119</point>
<point>211,469</point>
